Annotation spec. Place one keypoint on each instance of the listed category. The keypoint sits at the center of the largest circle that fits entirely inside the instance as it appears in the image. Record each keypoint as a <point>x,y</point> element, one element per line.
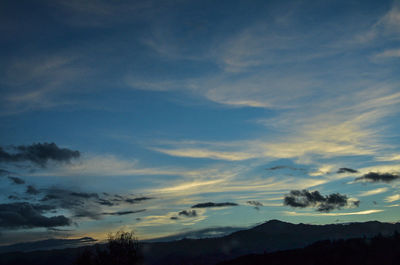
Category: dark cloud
<point>304,198</point>
<point>283,167</point>
<point>213,204</point>
<point>26,215</point>
<point>87,212</point>
<point>13,197</point>
<point>379,177</point>
<point>84,204</point>
<point>125,212</point>
<point>16,180</point>
<point>38,153</point>
<point>4,172</point>
<point>356,203</point>
<point>174,218</point>
<point>105,202</point>
<point>136,200</point>
<point>49,197</point>
<point>190,213</point>
<point>255,203</point>
<point>59,230</point>
<point>32,190</point>
<point>81,204</point>
<point>346,170</point>
<point>84,195</point>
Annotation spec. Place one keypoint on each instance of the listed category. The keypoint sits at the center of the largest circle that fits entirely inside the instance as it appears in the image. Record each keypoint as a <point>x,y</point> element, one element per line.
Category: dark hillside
<point>271,236</point>
<point>376,251</point>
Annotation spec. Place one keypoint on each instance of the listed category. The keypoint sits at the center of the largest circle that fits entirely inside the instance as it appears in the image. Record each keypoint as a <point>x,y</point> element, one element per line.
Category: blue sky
<point>186,102</point>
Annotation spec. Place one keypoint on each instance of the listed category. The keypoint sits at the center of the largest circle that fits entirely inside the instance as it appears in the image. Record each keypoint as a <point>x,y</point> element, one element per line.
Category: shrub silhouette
<point>122,248</point>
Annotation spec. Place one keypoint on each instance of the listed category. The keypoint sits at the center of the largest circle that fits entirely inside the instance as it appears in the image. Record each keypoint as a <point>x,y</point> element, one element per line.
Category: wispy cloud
<point>373,192</point>
<point>109,165</point>
<point>393,53</point>
<point>333,214</point>
<point>195,185</point>
<point>386,25</point>
<point>393,198</point>
<point>204,153</point>
<point>161,220</point>
<point>38,81</point>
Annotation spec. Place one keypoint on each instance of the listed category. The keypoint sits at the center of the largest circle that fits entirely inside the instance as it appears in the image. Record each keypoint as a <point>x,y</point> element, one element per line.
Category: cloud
<point>322,170</point>
<point>167,218</point>
<point>107,165</point>
<point>4,172</point>
<point>189,213</point>
<point>125,212</point>
<point>38,154</point>
<point>204,153</point>
<point>386,26</point>
<point>136,200</point>
<point>16,180</point>
<point>84,195</point>
<point>26,215</point>
<point>391,20</point>
<point>105,202</point>
<point>193,186</point>
<point>334,214</point>
<point>213,204</point>
<point>373,192</point>
<point>255,203</point>
<point>304,198</point>
<point>378,177</point>
<point>32,190</point>
<point>86,204</point>
<point>283,167</point>
<point>202,233</point>
<point>393,53</point>
<point>346,170</point>
<point>330,133</point>
<point>392,198</point>
<point>81,204</point>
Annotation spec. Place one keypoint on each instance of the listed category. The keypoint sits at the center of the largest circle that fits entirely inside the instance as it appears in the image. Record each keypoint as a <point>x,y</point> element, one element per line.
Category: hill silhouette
<point>271,236</point>
<point>376,251</point>
<point>48,244</point>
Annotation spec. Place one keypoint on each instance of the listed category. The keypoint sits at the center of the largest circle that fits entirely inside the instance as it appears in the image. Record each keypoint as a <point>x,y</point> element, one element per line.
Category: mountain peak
<point>275,221</point>
<point>273,225</point>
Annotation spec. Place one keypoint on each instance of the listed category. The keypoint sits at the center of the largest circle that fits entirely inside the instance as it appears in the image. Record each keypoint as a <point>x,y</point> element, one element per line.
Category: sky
<point>164,117</point>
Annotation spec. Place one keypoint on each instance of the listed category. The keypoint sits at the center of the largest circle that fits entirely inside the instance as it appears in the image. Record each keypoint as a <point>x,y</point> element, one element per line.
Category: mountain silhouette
<point>271,236</point>
<point>378,250</point>
<point>48,244</point>
<point>268,237</point>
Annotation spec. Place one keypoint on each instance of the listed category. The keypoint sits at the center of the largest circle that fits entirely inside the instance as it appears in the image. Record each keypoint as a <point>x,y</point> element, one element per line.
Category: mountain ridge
<point>273,235</point>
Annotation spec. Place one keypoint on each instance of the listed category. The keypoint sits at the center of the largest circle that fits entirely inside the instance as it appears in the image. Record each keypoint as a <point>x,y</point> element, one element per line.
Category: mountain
<point>271,236</point>
<point>48,244</point>
<point>368,251</point>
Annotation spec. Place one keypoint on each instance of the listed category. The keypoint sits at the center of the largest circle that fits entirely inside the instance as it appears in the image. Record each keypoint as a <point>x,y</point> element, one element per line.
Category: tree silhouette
<point>122,248</point>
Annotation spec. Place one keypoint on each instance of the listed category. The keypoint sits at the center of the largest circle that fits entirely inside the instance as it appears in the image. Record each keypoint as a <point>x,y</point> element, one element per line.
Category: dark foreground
<point>376,251</point>
<point>269,237</point>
